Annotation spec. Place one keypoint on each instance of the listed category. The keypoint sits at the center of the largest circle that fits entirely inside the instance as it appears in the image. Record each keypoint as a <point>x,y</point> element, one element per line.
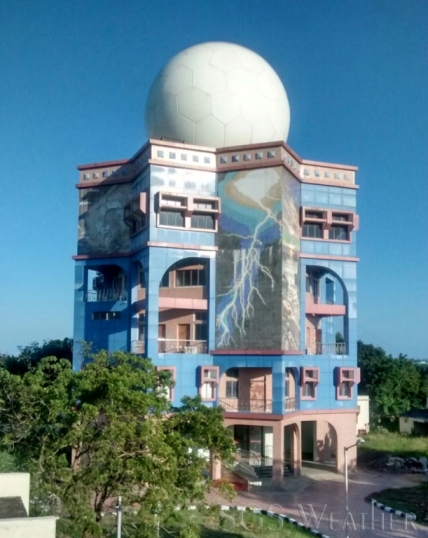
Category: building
<point>15,521</point>
<point>226,258</point>
<point>414,422</point>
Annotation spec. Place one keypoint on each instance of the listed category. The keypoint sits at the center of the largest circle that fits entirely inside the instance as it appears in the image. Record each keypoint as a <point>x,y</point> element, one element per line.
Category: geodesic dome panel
<point>218,94</point>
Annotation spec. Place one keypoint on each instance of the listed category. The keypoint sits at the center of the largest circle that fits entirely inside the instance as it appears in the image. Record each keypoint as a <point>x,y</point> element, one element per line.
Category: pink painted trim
<point>100,256</point>
<point>268,417</point>
<point>327,257</point>
<point>325,309</point>
<point>185,304</point>
<point>172,369</point>
<point>256,352</point>
<point>330,165</point>
<point>103,164</point>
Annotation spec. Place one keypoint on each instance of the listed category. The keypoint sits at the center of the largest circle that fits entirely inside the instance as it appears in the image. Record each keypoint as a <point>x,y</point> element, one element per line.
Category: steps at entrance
<point>265,471</point>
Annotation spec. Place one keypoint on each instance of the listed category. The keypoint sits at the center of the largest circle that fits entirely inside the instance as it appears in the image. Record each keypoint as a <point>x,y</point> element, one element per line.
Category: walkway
<point>320,494</point>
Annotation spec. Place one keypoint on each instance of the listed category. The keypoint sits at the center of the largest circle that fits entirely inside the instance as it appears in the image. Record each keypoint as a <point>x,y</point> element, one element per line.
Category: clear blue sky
<point>73,85</point>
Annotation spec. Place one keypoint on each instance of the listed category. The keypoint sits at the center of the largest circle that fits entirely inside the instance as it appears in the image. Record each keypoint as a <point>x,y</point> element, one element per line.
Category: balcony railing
<point>109,294</point>
<point>326,349</point>
<point>241,405</point>
<point>166,345</point>
<point>138,347</point>
<point>290,403</point>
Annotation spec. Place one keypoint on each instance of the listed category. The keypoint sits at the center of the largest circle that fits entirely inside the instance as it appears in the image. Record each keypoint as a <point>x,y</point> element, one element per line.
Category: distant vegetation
<point>394,385</point>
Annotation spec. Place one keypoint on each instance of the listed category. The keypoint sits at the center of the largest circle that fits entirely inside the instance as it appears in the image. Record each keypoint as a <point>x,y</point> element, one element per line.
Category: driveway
<point>317,498</point>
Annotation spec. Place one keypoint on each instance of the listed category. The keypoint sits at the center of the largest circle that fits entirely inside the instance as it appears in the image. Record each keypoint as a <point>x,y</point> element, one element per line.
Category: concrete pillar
<point>296,450</point>
<point>215,468</point>
<point>278,387</point>
<point>345,430</point>
<point>278,453</point>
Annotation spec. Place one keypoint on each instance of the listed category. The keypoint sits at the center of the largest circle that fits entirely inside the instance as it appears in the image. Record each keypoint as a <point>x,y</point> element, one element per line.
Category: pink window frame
<point>213,382</point>
<point>342,378</point>
<point>172,369</point>
<point>305,379</point>
<point>327,222</point>
<point>188,209</point>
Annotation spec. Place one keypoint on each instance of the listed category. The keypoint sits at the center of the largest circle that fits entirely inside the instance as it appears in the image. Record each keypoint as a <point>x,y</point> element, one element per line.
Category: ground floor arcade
<point>281,442</point>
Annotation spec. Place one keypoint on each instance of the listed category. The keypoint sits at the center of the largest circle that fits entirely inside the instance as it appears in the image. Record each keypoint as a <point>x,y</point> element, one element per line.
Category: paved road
<point>321,494</point>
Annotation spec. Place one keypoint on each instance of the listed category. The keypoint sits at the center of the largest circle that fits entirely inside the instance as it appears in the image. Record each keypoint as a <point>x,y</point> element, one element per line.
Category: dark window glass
<point>142,279</point>
<point>201,331</point>
<point>171,218</point>
<point>105,315</point>
<point>190,277</point>
<point>204,222</point>
<point>313,215</point>
<point>308,390</point>
<point>232,389</point>
<point>312,230</point>
<point>339,233</point>
<point>200,316</point>
<point>345,389</point>
<point>338,216</point>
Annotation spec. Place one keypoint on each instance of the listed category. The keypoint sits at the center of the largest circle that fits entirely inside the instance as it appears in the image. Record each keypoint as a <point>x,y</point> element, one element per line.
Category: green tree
<point>394,384</point>
<point>106,431</point>
<point>29,356</point>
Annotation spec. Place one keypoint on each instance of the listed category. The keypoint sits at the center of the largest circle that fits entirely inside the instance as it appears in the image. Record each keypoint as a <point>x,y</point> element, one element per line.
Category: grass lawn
<point>211,523</point>
<point>394,444</point>
<point>410,500</point>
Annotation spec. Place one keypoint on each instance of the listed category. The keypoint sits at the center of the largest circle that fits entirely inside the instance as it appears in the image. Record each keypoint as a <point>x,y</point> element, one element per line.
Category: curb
<point>389,510</point>
<point>283,517</point>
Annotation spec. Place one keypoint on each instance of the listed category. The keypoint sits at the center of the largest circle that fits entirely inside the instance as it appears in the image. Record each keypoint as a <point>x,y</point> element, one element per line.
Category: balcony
<point>290,403</point>
<point>191,347</point>
<point>104,295</point>
<point>240,405</point>
<point>319,348</point>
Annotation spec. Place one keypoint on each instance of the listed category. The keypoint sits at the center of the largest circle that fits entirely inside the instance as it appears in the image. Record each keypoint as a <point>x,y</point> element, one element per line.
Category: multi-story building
<point>229,260</point>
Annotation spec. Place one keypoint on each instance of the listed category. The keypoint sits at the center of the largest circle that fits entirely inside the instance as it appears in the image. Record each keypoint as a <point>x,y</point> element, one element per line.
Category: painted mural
<point>253,246</point>
<point>290,262</point>
<point>102,229</point>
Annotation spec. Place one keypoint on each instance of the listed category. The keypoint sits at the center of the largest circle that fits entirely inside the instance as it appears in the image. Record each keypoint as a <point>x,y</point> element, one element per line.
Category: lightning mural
<point>250,260</point>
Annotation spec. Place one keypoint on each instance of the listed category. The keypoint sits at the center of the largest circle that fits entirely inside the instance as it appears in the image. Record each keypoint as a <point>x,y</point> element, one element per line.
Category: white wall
<point>29,527</point>
<point>16,485</point>
<point>363,420</point>
<point>406,425</point>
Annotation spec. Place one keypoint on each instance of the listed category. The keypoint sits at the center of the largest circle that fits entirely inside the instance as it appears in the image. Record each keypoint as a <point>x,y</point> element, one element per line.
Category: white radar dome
<point>217,95</point>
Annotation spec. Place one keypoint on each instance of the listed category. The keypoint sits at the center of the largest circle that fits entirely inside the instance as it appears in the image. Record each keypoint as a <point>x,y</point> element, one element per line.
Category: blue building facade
<point>235,269</point>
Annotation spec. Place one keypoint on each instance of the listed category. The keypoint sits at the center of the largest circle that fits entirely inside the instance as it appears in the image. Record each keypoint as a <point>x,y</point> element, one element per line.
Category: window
<point>345,381</point>
<point>167,391</point>
<point>209,382</point>
<point>332,225</point>
<point>312,230</point>
<point>204,222</point>
<point>204,204</point>
<point>141,278</point>
<point>186,211</point>
<point>190,277</point>
<point>341,216</point>
<point>309,379</point>
<point>173,202</point>
<point>338,233</point>
<point>313,215</point>
<point>168,217</point>
<point>141,326</point>
<point>232,388</point>
<point>201,316</point>
<point>201,332</point>
<point>107,316</point>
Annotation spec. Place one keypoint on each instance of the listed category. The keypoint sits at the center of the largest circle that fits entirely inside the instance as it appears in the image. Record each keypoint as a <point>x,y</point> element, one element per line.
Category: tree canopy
<point>30,355</point>
<point>394,385</point>
<point>105,431</point>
